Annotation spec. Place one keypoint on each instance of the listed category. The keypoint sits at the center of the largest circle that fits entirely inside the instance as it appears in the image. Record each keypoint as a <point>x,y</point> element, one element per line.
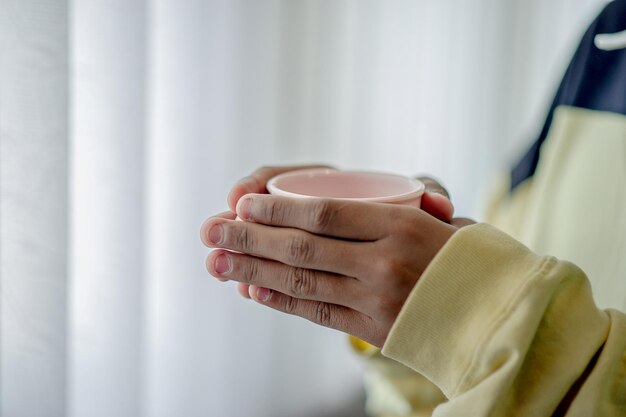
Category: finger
<point>255,183</point>
<point>437,206</point>
<point>289,246</point>
<point>307,284</point>
<point>325,314</point>
<point>436,200</point>
<point>345,219</point>
<point>244,290</point>
<point>434,186</point>
<point>228,215</point>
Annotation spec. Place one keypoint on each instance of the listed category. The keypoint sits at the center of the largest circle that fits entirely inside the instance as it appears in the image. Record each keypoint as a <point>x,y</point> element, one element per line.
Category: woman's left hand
<point>342,264</point>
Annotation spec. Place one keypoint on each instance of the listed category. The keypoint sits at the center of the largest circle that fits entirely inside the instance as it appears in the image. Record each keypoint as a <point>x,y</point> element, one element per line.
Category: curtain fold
<point>184,334</point>
<point>33,207</point>
<point>107,207</point>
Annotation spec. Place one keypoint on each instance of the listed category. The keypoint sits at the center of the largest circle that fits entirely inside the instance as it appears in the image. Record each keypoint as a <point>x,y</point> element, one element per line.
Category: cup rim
<point>273,189</point>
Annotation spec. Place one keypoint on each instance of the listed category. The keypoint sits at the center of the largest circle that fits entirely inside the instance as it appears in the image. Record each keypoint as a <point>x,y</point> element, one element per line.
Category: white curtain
<point>124,123</point>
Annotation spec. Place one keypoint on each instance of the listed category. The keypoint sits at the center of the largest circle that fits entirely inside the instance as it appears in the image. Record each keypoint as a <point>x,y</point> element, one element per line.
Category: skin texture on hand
<point>342,264</point>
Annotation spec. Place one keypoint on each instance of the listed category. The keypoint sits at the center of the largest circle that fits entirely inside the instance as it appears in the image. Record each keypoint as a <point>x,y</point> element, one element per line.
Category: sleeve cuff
<point>460,298</point>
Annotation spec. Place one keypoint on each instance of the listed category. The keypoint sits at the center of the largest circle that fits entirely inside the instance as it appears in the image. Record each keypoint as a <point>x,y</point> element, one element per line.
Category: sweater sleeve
<point>503,331</point>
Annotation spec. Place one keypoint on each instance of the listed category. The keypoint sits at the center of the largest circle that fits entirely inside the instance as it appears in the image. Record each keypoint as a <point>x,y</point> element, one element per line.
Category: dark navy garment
<point>594,80</point>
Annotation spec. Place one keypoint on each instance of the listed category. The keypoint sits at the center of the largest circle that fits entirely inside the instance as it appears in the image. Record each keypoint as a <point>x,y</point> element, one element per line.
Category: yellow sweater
<point>505,331</point>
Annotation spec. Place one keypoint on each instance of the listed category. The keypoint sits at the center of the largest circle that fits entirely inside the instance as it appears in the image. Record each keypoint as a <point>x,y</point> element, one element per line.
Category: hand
<point>342,264</point>
<point>435,201</point>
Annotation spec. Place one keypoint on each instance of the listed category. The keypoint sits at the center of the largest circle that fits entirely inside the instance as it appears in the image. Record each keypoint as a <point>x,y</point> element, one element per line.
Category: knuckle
<point>273,212</point>
<point>392,267</point>
<point>291,305</point>
<point>301,282</point>
<point>262,170</point>
<point>321,215</point>
<point>249,184</point>
<point>264,173</point>
<point>324,315</point>
<point>299,250</point>
<point>251,272</point>
<point>243,238</point>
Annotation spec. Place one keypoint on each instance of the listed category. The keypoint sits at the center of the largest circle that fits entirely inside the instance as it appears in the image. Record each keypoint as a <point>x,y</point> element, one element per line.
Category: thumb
<point>437,206</point>
<point>436,200</point>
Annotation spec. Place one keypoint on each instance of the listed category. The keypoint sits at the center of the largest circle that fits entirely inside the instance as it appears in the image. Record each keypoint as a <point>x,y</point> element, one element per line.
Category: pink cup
<point>348,185</point>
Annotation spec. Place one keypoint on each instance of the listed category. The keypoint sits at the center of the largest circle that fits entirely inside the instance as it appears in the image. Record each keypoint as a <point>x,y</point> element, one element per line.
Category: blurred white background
<point>123,125</point>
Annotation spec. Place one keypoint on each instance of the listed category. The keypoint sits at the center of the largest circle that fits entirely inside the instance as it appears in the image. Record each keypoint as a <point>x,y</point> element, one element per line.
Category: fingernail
<point>215,234</point>
<point>440,192</point>
<point>245,209</point>
<point>222,264</point>
<point>263,294</point>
